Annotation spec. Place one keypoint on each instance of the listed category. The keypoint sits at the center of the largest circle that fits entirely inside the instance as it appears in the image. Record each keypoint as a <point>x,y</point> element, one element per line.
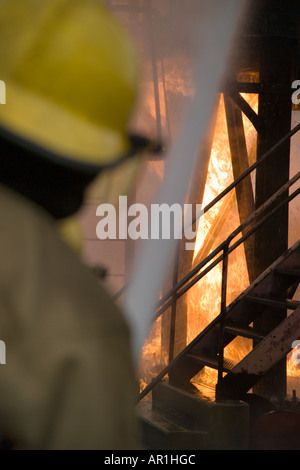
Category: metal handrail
<point>224,247</point>
<point>174,291</point>
<point>191,278</point>
<point>220,196</point>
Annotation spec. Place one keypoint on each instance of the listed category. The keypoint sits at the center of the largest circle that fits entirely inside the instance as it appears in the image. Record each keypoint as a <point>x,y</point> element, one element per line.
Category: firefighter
<point>71,79</point>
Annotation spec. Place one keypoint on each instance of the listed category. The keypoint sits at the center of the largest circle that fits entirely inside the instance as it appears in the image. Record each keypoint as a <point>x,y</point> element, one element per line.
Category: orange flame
<point>203,299</point>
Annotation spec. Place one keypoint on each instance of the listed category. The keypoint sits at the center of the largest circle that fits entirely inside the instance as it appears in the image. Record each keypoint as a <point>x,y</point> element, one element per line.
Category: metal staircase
<point>272,291</point>
<point>179,417</point>
<point>269,290</point>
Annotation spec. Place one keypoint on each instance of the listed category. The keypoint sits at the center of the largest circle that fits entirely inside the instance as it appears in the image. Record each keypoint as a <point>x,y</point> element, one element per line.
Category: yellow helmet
<point>71,80</point>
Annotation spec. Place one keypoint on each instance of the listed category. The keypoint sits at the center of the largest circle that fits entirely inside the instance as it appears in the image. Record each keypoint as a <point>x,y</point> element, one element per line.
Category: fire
<point>152,358</point>
<point>202,310</point>
<point>203,299</point>
<point>293,367</point>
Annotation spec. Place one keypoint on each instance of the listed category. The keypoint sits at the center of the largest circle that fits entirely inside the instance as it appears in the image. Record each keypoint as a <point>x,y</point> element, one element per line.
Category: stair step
<point>160,432</point>
<point>245,332</point>
<point>275,346</point>
<point>284,304</point>
<point>268,290</point>
<point>226,423</point>
<point>190,404</point>
<point>295,272</point>
<point>212,362</point>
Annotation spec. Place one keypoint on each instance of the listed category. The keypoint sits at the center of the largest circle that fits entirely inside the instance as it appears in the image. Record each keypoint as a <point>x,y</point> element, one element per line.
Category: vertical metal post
<point>173,310</point>
<point>222,319</point>
<point>275,111</point>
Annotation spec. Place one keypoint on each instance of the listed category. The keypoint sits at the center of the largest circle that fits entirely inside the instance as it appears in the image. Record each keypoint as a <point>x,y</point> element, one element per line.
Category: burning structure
<point>219,354</point>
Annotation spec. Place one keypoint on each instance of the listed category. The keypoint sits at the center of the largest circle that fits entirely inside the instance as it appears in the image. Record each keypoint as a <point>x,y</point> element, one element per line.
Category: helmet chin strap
<point>57,189</point>
<point>55,183</point>
<point>138,144</point>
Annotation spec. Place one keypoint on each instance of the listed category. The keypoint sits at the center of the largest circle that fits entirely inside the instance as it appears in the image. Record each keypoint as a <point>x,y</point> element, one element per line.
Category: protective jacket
<point>68,382</point>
